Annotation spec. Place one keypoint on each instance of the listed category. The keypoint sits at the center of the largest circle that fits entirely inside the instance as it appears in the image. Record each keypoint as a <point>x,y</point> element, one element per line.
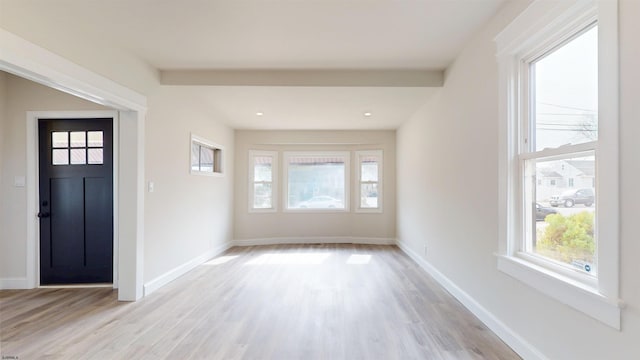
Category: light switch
<point>19,181</point>
<point>151,186</point>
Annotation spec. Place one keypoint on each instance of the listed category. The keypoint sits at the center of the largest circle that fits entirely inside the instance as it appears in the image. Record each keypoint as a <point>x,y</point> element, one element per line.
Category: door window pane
<point>95,138</point>
<point>565,93</point>
<point>60,157</point>
<point>60,139</point>
<point>78,156</point>
<point>78,139</point>
<point>95,156</point>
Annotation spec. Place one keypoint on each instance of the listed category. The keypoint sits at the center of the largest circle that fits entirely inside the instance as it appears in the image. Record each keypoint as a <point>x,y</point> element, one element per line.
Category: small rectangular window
<point>369,177</point>
<point>316,181</point>
<point>263,171</point>
<point>206,157</point>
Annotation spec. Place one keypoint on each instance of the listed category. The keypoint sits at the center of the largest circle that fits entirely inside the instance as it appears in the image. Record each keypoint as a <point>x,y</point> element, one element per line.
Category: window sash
<point>363,157</point>
<point>253,154</point>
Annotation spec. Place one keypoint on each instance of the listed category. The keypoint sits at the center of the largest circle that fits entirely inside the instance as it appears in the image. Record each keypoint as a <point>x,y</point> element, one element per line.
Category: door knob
<point>43,214</point>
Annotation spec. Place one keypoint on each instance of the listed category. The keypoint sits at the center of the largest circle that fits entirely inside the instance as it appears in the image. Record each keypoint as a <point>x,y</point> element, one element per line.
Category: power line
<point>567,107</point>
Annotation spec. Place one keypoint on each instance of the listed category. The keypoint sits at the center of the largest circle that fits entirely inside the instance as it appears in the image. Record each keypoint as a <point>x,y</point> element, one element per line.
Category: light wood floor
<point>268,302</point>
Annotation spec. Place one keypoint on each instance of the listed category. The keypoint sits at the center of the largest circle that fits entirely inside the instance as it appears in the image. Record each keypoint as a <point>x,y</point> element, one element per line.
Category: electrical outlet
<point>425,249</point>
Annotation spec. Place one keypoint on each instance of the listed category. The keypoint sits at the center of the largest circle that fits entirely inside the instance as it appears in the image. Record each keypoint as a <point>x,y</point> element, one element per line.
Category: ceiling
<point>275,35</point>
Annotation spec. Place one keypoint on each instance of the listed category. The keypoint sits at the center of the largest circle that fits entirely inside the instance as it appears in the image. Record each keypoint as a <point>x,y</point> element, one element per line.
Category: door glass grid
<point>77,147</point>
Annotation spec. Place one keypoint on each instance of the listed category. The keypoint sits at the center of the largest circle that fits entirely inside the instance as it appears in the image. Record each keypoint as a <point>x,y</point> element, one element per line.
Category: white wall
<point>3,95</point>
<point>447,199</point>
<point>287,225</point>
<point>29,21</point>
<point>21,96</point>
<point>187,215</point>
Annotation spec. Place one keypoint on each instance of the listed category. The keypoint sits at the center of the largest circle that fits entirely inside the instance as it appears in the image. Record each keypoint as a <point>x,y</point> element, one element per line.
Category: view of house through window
<point>316,181</point>
<point>263,181</point>
<point>206,158</point>
<point>560,167</point>
<point>369,172</point>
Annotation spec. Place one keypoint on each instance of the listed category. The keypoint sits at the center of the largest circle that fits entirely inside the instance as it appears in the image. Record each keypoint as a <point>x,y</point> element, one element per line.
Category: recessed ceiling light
<point>259,113</point>
<point>367,113</point>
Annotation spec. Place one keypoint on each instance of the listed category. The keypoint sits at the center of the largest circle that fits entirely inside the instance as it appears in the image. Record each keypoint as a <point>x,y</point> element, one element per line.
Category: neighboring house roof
<point>550,174</point>
<point>587,167</point>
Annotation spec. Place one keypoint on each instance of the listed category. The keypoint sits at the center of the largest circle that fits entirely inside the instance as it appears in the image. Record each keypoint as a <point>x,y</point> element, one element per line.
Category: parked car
<point>572,197</point>
<point>543,211</point>
<point>321,202</point>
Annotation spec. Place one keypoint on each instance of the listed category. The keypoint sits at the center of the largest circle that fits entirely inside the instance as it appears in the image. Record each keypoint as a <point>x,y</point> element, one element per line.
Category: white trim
<point>510,337</point>
<point>315,240</point>
<point>358,155</point>
<point>15,283</point>
<point>539,28</point>
<point>24,59</point>
<point>33,196</point>
<point>274,181</point>
<point>577,295</point>
<point>27,60</point>
<point>285,180</point>
<point>169,276</point>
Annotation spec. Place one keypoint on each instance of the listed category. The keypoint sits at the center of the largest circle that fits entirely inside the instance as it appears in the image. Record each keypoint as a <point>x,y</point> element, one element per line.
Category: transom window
<point>206,157</point>
<point>77,147</point>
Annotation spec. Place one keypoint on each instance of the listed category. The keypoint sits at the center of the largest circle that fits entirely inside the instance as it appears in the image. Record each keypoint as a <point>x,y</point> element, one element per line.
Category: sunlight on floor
<point>221,260</point>
<point>290,259</point>
<point>356,259</point>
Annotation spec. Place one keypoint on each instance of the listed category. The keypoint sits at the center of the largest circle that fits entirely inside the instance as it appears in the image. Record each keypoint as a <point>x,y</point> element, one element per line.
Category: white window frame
<point>274,180</point>
<point>285,179</point>
<point>358,181</point>
<point>218,156</point>
<point>541,27</point>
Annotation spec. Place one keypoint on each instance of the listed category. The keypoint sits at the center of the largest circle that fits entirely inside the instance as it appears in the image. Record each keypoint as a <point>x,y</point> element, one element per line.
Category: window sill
<point>577,295</point>
<point>206,173</point>
<point>262,211</point>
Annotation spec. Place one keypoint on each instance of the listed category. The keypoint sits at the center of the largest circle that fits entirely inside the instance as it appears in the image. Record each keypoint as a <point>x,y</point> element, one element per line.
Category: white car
<point>321,202</point>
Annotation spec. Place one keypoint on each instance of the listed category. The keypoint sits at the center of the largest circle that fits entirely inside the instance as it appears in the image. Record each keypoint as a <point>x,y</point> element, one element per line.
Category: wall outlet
<point>425,249</point>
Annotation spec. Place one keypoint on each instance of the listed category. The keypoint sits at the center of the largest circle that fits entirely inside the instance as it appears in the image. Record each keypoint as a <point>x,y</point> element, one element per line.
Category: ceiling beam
<point>339,78</point>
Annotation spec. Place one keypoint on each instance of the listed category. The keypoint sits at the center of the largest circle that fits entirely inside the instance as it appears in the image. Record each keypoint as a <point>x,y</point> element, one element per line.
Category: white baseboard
<point>315,240</point>
<point>510,337</point>
<point>14,284</point>
<point>176,272</point>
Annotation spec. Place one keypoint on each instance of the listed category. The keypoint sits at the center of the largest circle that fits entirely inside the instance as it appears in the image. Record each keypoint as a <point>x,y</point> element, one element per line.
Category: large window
<point>316,181</point>
<point>559,142</point>
<point>558,162</point>
<point>263,170</point>
<point>369,181</point>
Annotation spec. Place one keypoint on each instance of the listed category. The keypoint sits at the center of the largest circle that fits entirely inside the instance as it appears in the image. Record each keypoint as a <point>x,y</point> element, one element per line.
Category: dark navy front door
<point>76,200</point>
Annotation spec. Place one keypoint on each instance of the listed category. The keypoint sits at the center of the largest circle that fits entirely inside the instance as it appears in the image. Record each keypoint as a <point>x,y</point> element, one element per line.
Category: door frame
<point>27,60</point>
<point>33,166</point>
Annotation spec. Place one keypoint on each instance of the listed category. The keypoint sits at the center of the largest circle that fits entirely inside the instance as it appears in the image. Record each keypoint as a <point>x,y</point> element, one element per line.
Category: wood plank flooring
<point>262,302</point>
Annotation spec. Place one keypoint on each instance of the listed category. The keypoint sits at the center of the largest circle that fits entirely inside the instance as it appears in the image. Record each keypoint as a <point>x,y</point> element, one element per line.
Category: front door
<point>76,200</point>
